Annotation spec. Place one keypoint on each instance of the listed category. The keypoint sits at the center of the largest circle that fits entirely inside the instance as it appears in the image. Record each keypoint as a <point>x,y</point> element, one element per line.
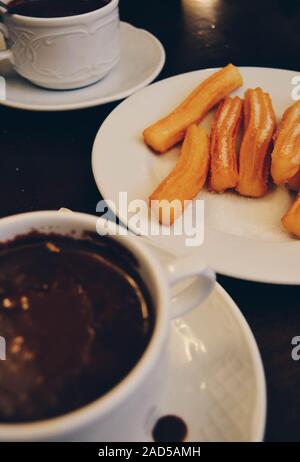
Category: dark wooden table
<point>46,157</point>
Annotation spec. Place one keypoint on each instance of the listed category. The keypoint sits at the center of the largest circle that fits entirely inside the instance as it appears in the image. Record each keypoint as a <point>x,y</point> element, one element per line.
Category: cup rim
<point>62,20</point>
<point>101,407</point>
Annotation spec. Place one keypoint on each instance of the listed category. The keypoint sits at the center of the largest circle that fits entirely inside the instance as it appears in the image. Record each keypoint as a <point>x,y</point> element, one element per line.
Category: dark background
<point>46,157</point>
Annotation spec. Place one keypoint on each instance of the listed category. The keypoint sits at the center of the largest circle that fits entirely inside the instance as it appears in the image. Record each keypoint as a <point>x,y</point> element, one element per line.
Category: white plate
<point>142,58</point>
<point>243,237</point>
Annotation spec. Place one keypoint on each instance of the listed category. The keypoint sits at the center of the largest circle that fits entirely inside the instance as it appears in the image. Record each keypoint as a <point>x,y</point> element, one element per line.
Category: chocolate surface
<point>54,8</point>
<point>76,317</point>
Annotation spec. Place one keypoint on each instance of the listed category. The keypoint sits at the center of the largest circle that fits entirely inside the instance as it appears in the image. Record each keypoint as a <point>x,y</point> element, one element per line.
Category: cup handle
<point>196,292</point>
<point>5,54</point>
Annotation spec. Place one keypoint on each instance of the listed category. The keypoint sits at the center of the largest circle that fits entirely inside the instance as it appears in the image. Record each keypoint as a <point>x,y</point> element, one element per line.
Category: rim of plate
<point>102,189</point>
<point>97,101</point>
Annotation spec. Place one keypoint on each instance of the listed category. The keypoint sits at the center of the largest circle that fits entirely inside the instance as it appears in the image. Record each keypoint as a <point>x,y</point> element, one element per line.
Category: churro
<point>223,168</point>
<point>170,130</point>
<point>186,180</point>
<point>294,182</point>
<point>286,153</point>
<point>291,220</point>
<point>254,161</point>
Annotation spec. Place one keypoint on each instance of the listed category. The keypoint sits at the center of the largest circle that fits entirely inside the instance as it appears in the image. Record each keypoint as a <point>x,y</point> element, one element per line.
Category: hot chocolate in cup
<point>126,409</point>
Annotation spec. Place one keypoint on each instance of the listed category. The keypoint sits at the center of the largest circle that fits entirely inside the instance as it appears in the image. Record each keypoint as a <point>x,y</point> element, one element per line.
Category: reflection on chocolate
<point>76,317</point>
<point>169,429</point>
<point>54,8</point>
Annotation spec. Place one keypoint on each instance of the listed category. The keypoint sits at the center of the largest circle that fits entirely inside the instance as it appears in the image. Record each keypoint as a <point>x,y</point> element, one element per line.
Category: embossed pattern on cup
<point>65,53</point>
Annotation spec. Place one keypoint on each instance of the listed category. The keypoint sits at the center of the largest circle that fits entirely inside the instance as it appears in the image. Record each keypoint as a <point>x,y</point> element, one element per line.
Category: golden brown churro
<point>223,168</point>
<point>254,164</point>
<point>168,131</point>
<point>294,182</point>
<point>291,220</point>
<point>186,180</point>
<point>286,153</point>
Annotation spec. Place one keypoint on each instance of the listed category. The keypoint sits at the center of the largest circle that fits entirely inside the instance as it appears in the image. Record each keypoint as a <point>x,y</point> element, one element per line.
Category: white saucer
<point>142,58</point>
<point>215,381</point>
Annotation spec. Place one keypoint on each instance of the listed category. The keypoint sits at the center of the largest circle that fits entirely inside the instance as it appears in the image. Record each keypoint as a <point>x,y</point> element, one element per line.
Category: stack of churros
<point>189,176</point>
<point>218,159</point>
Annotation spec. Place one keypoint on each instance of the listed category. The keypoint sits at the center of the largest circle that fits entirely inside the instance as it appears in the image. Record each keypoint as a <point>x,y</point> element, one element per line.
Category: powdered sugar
<point>258,219</point>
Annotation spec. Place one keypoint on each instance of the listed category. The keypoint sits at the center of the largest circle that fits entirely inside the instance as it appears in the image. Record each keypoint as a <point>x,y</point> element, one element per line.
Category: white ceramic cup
<point>128,411</point>
<point>65,52</point>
